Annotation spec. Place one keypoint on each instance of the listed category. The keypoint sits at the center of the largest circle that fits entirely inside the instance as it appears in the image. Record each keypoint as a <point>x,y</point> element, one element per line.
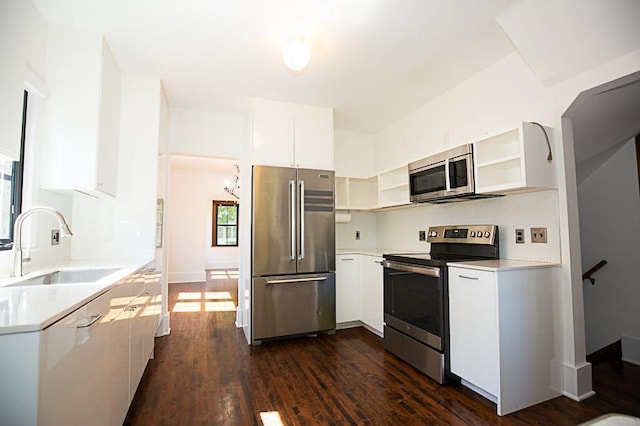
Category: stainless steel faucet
<point>65,232</point>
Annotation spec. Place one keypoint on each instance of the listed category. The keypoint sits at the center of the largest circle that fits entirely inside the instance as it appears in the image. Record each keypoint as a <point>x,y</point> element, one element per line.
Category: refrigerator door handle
<point>296,280</point>
<point>301,207</point>
<point>292,219</point>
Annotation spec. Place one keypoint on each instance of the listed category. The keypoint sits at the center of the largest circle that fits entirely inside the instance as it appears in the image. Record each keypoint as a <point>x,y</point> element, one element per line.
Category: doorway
<point>605,122</point>
<point>197,254</point>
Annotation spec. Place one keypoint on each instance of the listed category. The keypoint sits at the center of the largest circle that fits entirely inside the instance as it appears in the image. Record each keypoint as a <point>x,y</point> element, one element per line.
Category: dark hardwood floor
<point>204,373</point>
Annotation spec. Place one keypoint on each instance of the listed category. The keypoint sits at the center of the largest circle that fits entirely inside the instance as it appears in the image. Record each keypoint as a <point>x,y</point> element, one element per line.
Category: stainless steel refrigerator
<point>293,252</point>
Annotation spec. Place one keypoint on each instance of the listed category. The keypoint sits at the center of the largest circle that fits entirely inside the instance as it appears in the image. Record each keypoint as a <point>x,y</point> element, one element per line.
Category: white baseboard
<point>187,277</point>
<point>631,349</point>
<point>222,265</point>
<point>577,381</point>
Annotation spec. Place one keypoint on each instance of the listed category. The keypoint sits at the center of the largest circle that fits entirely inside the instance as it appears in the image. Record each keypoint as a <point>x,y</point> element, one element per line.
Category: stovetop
<point>455,243</point>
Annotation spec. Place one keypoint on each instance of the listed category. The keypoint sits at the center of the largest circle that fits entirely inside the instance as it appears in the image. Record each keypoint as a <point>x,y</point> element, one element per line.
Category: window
<point>225,224</point>
<point>11,187</point>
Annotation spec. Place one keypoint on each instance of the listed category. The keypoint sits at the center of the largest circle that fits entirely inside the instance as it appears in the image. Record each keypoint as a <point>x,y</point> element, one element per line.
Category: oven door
<point>414,301</point>
<point>429,182</point>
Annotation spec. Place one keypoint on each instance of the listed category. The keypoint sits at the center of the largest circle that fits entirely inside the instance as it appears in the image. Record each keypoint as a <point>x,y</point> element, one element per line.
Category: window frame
<point>214,222</point>
<point>17,179</point>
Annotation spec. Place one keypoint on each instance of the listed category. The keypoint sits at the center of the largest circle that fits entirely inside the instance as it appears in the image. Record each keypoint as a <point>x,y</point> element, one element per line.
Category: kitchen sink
<point>69,276</point>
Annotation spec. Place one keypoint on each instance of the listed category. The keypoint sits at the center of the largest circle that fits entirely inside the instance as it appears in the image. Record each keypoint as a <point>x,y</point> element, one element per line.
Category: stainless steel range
<point>416,294</point>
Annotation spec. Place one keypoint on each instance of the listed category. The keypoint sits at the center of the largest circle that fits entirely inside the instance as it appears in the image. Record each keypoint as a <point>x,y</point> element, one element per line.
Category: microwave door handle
<point>447,182</point>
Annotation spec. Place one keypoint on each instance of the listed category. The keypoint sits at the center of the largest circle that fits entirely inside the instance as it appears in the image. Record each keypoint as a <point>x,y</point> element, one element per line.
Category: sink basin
<point>67,277</point>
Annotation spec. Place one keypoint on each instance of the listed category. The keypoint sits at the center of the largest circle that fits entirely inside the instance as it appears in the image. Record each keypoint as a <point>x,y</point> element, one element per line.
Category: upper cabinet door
<point>314,137</point>
<point>109,128</point>
<point>272,133</point>
<point>291,135</point>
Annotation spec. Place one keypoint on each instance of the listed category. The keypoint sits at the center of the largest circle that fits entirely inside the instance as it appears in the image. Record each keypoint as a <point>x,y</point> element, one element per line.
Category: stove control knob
<point>433,234</point>
<point>487,234</point>
<point>473,234</point>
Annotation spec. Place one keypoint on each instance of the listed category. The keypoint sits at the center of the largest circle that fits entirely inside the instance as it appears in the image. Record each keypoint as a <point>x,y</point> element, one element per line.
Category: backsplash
<point>398,229</point>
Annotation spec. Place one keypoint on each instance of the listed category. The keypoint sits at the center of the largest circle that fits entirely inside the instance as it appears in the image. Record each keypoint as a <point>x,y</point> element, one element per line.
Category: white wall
<point>194,186</point>
<point>366,223</point>
<point>610,229</point>
<point>354,153</point>
<point>124,226</point>
<point>206,134</point>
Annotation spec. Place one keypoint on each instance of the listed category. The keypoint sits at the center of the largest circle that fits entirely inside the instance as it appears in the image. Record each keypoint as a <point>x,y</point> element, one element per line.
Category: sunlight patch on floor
<point>271,418</point>
<point>208,301</point>
<point>230,274</point>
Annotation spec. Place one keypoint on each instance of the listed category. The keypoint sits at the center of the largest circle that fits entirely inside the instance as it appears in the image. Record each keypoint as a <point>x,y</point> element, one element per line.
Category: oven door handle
<point>423,270</point>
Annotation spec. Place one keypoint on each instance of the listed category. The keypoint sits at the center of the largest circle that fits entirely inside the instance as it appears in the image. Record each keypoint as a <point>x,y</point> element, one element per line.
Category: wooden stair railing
<point>588,275</point>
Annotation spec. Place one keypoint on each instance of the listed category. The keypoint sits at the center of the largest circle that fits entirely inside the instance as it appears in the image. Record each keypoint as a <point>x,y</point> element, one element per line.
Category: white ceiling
<point>373,61</point>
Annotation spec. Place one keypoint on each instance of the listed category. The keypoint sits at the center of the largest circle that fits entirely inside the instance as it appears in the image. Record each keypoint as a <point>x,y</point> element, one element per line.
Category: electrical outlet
<point>538,235</point>
<point>357,235</point>
<point>422,235</point>
<point>55,237</point>
<point>519,236</point>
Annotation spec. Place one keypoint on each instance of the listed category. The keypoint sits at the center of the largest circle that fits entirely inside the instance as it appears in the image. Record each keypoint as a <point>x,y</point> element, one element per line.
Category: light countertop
<point>374,251</point>
<point>34,307</point>
<point>502,265</point>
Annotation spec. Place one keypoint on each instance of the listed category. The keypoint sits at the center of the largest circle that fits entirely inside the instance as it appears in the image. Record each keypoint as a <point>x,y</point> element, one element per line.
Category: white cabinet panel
<point>371,292</point>
<point>473,327</point>
<point>515,160</point>
<point>71,389</point>
<point>347,290</point>
<point>273,133</point>
<point>291,135</point>
<point>501,333</point>
<point>313,137</point>
<point>81,114</point>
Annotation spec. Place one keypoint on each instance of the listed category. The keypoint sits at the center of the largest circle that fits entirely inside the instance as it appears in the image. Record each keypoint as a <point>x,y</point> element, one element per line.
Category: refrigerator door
<point>316,221</point>
<point>293,304</point>
<point>274,221</point>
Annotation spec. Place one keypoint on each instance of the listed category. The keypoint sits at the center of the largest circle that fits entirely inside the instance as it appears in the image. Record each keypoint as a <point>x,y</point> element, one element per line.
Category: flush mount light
<point>296,54</point>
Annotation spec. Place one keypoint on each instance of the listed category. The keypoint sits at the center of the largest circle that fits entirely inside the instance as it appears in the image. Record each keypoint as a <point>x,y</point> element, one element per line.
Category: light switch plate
<point>538,235</point>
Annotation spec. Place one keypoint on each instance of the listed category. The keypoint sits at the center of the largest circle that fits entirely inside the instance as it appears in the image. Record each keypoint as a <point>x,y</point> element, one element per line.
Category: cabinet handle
<point>347,258</point>
<point>94,318</point>
<point>467,278</point>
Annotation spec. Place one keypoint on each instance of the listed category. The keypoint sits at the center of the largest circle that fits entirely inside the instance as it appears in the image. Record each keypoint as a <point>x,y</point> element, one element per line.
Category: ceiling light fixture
<point>296,54</point>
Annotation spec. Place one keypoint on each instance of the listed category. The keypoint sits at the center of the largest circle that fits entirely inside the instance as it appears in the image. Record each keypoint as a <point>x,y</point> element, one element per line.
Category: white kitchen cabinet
<point>71,389</point>
<point>371,293</point>
<point>82,114</point>
<point>515,160</point>
<point>389,188</point>
<point>291,135</point>
<point>501,334</point>
<point>347,290</point>
<point>393,187</point>
<point>86,367</point>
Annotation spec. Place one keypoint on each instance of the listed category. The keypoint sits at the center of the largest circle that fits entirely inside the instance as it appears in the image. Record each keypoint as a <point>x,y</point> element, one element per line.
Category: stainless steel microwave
<point>444,176</point>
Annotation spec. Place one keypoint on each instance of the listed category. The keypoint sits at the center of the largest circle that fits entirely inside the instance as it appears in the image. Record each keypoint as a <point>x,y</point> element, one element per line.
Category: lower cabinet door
<point>473,327</point>
<point>372,292</point>
<point>73,353</point>
<point>347,294</point>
